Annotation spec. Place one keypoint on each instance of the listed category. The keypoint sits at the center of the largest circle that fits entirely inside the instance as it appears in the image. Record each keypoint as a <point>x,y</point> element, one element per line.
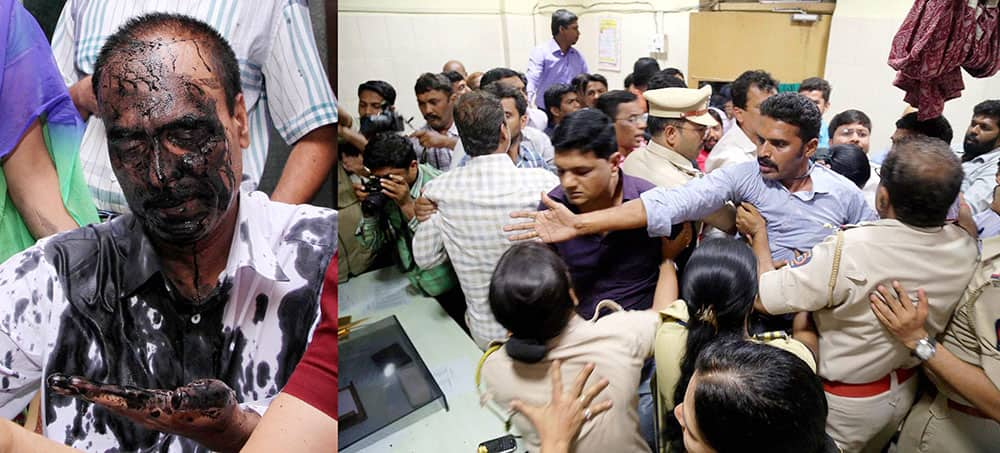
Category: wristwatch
<point>925,349</point>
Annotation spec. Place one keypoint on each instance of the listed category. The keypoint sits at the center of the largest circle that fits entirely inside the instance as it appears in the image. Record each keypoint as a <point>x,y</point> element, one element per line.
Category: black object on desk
<point>389,386</point>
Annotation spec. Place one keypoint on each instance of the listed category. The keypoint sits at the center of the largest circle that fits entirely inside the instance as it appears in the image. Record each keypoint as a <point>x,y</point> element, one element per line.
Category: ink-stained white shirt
<point>733,148</point>
<point>474,203</point>
<point>114,319</point>
<point>283,79</point>
<point>980,179</point>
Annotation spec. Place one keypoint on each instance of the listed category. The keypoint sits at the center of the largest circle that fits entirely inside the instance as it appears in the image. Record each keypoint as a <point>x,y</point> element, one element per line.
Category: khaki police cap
<point>686,103</point>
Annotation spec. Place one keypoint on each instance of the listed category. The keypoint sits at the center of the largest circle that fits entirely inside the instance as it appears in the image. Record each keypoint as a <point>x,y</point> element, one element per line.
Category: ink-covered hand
<point>204,410</point>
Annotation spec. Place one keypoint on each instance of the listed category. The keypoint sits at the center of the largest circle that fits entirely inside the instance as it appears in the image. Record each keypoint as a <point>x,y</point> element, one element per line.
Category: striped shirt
<point>275,48</point>
<point>474,203</point>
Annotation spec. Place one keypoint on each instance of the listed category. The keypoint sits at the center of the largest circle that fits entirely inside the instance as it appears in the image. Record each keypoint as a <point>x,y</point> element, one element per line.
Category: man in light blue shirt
<point>555,61</point>
<point>982,155</point>
<point>801,202</point>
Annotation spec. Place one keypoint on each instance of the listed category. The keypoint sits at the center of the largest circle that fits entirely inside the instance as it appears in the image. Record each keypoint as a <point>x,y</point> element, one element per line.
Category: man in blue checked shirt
<point>802,203</point>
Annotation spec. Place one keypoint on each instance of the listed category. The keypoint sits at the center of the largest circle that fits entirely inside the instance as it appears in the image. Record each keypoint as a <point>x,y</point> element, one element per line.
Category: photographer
<point>387,202</point>
<point>376,113</point>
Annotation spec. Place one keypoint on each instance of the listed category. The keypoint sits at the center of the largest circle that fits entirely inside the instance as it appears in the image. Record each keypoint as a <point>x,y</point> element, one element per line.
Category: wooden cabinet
<point>723,44</point>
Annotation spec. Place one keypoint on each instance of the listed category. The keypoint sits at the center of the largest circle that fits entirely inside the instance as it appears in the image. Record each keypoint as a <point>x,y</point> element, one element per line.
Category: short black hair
<point>588,131</point>
<point>774,397</point>
<point>816,84</point>
<point>655,125</point>
<point>478,117</point>
<point>663,80</point>
<point>581,81</point>
<point>673,72</point>
<point>381,88</point>
<point>849,117</point>
<point>794,109</point>
<point>741,86</point>
<point>530,292</point>
<point>937,127</point>
<point>850,161</point>
<point>561,18</point>
<point>497,74</point>
<point>453,76</point>
<point>922,177</point>
<point>989,108</point>
<point>553,96</point>
<point>432,82</point>
<point>628,82</point>
<point>610,101</point>
<point>387,149</point>
<point>218,51</point>
<point>643,69</point>
<point>502,92</point>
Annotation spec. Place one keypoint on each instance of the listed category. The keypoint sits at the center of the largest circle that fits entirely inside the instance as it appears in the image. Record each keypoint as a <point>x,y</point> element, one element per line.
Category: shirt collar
<point>554,48</point>
<point>495,159</point>
<point>251,246</point>
<point>673,157</point>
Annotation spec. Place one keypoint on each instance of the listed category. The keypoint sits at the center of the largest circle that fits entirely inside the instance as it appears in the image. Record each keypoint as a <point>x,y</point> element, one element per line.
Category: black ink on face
<point>168,146</point>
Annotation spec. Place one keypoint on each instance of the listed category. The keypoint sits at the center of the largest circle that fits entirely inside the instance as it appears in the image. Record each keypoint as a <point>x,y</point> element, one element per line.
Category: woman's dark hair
<point>851,162</point>
<point>530,297</point>
<point>719,285</point>
<point>755,397</point>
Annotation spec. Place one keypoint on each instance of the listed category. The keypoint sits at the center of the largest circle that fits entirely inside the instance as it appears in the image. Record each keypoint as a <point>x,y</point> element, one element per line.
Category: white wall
<point>397,41</point>
<point>856,65</point>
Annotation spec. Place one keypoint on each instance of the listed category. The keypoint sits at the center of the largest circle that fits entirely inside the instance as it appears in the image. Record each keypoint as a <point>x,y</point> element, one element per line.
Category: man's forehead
<point>150,65</point>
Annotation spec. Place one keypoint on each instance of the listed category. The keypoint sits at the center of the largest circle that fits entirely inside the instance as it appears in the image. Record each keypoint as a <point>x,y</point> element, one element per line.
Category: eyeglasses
<point>635,119</point>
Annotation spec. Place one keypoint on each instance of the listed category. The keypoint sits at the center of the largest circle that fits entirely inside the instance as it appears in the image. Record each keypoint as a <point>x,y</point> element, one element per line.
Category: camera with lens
<point>373,204</point>
<point>385,121</point>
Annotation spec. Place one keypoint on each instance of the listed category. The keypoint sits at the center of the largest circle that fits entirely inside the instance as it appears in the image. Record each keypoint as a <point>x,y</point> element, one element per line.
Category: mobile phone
<point>505,444</point>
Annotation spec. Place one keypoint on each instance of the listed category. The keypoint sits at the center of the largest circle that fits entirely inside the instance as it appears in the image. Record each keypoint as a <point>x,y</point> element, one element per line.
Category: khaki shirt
<point>617,344</point>
<point>671,345</point>
<point>660,165</point>
<point>973,331</point>
<point>853,346</point>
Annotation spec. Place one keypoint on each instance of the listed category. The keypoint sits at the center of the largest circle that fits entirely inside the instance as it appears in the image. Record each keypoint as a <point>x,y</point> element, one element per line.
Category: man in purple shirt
<point>624,266</point>
<point>555,61</point>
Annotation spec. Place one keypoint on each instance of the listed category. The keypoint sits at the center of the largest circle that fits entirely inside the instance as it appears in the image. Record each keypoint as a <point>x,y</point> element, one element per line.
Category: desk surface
<point>448,352</point>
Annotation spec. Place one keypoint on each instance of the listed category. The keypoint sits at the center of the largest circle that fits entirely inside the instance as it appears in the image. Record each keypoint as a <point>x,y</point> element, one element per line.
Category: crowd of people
<point>155,300</point>
<point>704,270</point>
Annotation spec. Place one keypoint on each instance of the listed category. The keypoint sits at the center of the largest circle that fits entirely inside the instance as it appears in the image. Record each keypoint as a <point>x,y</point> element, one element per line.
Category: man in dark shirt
<point>623,266</point>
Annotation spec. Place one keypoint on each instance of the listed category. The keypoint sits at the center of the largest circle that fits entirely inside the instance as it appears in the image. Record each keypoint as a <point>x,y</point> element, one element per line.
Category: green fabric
<point>63,149</point>
<point>788,87</point>
<point>431,282</point>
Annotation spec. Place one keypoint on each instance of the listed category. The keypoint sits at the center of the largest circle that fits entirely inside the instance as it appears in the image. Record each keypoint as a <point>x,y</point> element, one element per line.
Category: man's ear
<point>882,199</point>
<point>811,146</point>
<point>241,119</point>
<point>615,160</point>
<point>738,114</point>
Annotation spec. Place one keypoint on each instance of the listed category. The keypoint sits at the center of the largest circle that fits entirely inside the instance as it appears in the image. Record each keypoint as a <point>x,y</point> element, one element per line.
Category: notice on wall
<point>609,45</point>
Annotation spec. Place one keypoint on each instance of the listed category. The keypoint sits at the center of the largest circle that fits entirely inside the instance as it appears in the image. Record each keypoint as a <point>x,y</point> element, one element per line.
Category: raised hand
<point>560,420</point>
<point>896,312</point>
<point>555,224</point>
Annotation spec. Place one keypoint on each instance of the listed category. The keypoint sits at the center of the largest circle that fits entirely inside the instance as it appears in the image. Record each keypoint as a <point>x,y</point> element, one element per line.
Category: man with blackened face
<point>162,329</point>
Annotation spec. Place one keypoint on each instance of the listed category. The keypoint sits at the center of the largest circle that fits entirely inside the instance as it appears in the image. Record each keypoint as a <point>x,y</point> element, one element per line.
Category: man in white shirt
<point>474,202</point>
<point>739,145</point>
<point>153,328</point>
<point>282,78</point>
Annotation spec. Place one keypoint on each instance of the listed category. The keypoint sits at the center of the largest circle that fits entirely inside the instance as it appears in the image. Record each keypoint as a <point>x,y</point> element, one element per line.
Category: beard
<point>975,148</point>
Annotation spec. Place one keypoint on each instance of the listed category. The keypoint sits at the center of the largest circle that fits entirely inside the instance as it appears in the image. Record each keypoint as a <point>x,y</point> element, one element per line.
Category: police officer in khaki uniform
<point>678,119</point>
<point>963,415</point>
<point>868,376</point>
